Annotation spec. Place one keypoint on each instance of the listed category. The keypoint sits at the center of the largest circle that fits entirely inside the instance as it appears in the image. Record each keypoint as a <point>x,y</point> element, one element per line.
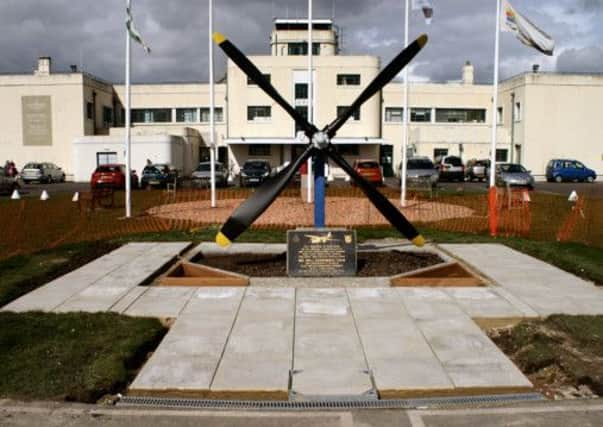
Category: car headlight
<point>266,174</point>
<point>243,174</point>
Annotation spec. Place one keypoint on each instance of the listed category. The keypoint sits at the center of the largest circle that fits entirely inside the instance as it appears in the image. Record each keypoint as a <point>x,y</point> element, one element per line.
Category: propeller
<point>263,197</point>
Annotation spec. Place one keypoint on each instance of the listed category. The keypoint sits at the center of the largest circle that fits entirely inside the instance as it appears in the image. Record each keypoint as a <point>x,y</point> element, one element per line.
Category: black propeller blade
<point>389,211</point>
<point>259,201</point>
<point>258,78</point>
<point>383,78</point>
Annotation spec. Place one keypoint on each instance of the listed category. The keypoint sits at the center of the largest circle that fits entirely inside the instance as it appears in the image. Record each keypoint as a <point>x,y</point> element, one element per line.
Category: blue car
<point>560,170</point>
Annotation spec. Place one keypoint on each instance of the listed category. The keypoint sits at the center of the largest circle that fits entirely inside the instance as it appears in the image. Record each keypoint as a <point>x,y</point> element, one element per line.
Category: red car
<point>112,176</point>
<point>369,170</point>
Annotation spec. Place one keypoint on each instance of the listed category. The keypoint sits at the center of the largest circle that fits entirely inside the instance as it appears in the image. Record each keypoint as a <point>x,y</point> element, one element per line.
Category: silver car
<point>420,171</point>
<point>42,172</point>
<point>202,175</point>
<point>514,175</point>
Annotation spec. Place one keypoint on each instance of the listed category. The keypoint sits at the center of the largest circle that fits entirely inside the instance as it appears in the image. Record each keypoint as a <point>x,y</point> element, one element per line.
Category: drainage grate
<point>268,405</point>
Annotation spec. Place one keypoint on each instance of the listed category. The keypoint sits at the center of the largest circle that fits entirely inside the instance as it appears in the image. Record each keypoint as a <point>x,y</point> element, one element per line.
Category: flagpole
<point>212,123</point>
<point>127,121</point>
<point>405,115</point>
<point>309,162</point>
<point>495,98</point>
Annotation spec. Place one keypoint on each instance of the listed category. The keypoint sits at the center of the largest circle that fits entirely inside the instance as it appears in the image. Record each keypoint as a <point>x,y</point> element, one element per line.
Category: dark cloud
<point>92,32</point>
<point>585,60</point>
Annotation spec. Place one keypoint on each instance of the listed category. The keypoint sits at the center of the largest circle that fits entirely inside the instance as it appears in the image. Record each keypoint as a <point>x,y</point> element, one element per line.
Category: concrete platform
<point>322,339</point>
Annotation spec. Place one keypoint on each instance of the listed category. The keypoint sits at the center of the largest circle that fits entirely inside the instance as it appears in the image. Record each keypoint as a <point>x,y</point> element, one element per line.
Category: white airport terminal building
<point>75,120</point>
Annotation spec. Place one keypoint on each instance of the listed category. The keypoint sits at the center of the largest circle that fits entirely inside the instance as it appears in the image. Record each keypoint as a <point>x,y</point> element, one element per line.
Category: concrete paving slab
<point>128,299</point>
<point>53,294</point>
<point>470,359</point>
<point>328,361</point>
<point>544,288</point>
<point>429,303</point>
<point>209,248</point>
<point>483,302</point>
<point>186,360</point>
<point>259,353</point>
<point>401,360</point>
<point>161,302</point>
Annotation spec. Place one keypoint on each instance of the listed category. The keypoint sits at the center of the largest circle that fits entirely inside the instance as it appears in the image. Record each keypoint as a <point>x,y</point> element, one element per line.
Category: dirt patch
<point>370,264</point>
<point>561,355</point>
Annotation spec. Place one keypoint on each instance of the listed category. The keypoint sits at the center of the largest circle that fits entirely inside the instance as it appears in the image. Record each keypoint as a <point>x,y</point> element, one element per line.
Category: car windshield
<point>151,170</point>
<point>419,164</point>
<point>206,167</point>
<point>454,161</point>
<point>32,166</point>
<point>512,168</point>
<point>255,165</point>
<point>368,165</point>
<point>108,169</point>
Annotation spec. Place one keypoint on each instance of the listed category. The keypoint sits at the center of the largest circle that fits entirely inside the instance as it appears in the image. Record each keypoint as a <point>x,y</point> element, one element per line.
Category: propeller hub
<point>320,140</point>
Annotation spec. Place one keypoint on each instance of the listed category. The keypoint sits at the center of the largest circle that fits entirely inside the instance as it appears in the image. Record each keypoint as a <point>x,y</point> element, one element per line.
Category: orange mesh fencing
<point>29,225</point>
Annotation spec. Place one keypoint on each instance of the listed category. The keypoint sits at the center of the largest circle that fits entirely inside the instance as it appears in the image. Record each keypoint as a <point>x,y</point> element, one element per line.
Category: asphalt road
<point>592,190</point>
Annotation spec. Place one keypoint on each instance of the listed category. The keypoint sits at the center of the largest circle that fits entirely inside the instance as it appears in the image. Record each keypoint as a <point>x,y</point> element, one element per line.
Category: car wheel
<point>63,178</point>
<point>590,179</point>
<point>558,179</point>
<point>49,179</point>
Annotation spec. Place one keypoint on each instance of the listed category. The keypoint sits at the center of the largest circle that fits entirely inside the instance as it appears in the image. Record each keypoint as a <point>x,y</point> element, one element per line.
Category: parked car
<point>560,170</point>
<point>42,172</point>
<point>513,174</point>
<point>420,171</point>
<point>254,172</point>
<point>158,175</point>
<point>477,169</point>
<point>112,176</point>
<point>202,175</point>
<point>8,183</point>
<point>450,168</point>
<point>369,169</point>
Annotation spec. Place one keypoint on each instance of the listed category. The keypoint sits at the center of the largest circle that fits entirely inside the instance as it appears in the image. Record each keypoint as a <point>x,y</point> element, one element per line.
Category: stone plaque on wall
<point>36,120</point>
<point>321,252</point>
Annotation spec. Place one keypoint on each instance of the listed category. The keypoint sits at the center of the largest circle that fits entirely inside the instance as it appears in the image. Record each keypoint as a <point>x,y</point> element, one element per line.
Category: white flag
<point>426,6</point>
<point>527,33</point>
<point>134,32</point>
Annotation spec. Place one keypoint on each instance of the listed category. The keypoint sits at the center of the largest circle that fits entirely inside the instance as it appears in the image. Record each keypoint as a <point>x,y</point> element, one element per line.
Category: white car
<point>42,172</point>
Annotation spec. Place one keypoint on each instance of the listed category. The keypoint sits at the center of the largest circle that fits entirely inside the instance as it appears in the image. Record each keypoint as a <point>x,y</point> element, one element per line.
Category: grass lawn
<point>557,352</point>
<point>74,356</point>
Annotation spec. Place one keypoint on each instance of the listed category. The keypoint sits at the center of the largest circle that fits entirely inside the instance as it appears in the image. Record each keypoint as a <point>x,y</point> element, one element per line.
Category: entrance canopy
<point>295,141</point>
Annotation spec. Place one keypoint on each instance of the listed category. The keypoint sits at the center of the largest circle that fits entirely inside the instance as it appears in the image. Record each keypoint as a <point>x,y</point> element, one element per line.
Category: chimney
<point>468,73</point>
<point>44,66</point>
<point>535,68</point>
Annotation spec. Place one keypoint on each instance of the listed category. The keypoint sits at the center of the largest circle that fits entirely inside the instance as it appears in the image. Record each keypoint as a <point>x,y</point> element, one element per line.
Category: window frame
<point>460,111</point>
<point>257,118</point>
<point>342,79</point>
<point>218,114</point>
<point>187,109</point>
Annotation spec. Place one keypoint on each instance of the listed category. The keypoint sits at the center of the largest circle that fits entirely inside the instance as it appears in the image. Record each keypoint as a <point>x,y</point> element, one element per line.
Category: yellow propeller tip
<point>422,40</point>
<point>218,38</point>
<point>418,241</point>
<point>222,240</point>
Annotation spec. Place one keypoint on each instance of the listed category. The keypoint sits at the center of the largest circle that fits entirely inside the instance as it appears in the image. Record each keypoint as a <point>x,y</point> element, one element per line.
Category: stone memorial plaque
<point>37,120</point>
<point>321,252</point>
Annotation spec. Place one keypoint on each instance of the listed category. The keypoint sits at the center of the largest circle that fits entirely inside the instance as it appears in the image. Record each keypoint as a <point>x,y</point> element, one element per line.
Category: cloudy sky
<point>91,33</point>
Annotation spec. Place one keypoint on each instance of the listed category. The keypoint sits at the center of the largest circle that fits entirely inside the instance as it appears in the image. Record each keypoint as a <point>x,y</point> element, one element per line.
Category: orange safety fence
<point>29,224</point>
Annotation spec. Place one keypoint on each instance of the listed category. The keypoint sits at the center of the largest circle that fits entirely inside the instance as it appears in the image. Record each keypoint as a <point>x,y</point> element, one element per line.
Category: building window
<point>301,91</point>
<point>439,152</point>
<point>151,115</point>
<point>251,82</point>
<point>499,116</point>
<point>89,111</point>
<point>348,79</point>
<point>259,150</point>
<point>517,111</point>
<point>394,114</point>
<point>259,113</point>
<point>460,115</point>
<point>218,114</point>
<point>342,108</point>
<point>186,115</point>
<point>303,110</point>
<point>420,114</point>
<point>301,48</point>
<point>348,149</point>
<point>107,116</point>
<point>502,154</point>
